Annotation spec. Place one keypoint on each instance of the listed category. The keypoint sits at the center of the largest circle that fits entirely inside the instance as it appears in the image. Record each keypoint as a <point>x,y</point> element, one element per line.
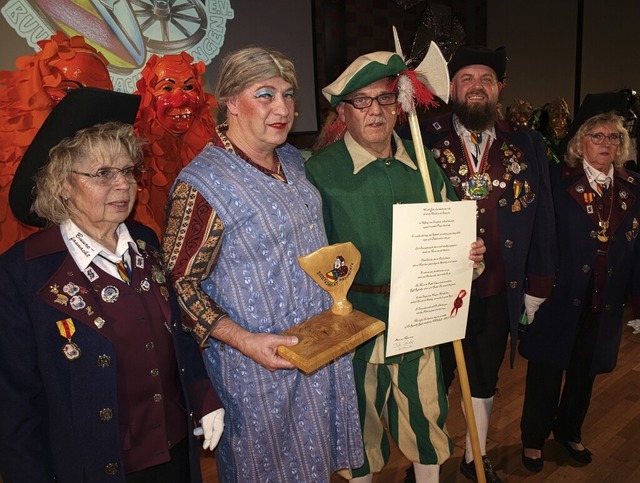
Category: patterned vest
<point>268,224</point>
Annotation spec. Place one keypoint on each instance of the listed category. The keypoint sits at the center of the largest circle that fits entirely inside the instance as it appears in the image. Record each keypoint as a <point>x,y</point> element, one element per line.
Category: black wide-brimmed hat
<point>478,55</point>
<point>79,109</point>
<point>592,105</point>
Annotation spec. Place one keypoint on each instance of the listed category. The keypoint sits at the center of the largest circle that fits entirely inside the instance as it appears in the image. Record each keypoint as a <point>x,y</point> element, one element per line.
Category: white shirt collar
<point>361,157</point>
<point>489,133</point>
<point>84,249</point>
<point>594,176</point>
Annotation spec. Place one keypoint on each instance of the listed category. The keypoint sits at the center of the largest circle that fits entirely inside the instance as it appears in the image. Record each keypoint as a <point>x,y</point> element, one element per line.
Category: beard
<point>476,117</point>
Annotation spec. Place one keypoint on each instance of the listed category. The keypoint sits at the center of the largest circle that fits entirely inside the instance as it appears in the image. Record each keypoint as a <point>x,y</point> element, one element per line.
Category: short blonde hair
<point>246,66</point>
<point>573,157</point>
<point>102,141</point>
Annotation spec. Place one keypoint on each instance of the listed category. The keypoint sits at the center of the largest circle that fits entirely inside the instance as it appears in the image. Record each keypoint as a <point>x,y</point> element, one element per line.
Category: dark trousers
<point>550,406</point>
<point>174,471</point>
<point>484,345</point>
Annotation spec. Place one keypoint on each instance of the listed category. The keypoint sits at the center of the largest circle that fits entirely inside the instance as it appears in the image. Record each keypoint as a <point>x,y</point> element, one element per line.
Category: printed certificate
<point>430,274</point>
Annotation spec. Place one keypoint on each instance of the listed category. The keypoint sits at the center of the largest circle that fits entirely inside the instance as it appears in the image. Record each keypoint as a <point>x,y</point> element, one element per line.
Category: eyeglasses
<point>385,99</point>
<point>107,176</point>
<point>598,137</point>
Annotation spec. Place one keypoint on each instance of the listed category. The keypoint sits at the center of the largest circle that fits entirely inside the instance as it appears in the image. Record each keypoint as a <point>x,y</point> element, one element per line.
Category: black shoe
<point>532,464</point>
<point>469,470</point>
<point>581,456</point>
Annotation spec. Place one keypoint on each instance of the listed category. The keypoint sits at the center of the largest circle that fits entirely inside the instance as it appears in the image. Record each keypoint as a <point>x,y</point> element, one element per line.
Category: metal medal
<point>110,294</point>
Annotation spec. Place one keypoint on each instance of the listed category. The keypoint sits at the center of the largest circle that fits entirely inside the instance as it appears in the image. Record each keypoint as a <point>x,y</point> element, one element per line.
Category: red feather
<point>422,95</point>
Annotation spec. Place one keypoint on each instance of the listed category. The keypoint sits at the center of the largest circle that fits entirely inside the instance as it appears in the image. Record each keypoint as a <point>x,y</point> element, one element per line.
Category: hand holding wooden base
<point>339,330</point>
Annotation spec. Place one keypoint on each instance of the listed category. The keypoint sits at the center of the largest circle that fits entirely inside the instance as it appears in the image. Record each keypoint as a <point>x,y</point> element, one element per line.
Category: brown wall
<point>548,57</point>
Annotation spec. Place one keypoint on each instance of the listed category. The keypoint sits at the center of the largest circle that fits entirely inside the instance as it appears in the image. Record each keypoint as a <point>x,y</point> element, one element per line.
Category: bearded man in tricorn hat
<point>504,168</point>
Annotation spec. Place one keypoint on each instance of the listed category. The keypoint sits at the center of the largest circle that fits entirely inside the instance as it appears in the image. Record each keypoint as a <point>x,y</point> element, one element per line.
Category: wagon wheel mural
<point>170,25</point>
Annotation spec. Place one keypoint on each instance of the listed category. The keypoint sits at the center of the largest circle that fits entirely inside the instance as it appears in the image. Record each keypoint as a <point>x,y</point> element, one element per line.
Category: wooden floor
<point>611,431</point>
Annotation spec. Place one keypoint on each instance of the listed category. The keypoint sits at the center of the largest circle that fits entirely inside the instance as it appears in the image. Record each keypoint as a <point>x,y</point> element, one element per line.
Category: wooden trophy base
<point>328,336</point>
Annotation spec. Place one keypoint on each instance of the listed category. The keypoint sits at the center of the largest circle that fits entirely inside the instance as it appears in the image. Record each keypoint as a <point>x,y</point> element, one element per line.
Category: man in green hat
<point>360,178</point>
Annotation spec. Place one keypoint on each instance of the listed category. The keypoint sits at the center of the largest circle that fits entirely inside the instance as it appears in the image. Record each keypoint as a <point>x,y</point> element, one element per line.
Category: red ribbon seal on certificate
<point>457,303</point>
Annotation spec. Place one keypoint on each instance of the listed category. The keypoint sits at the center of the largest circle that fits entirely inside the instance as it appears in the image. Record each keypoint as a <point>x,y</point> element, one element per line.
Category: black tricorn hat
<point>79,109</point>
<point>478,55</point>
<point>592,105</point>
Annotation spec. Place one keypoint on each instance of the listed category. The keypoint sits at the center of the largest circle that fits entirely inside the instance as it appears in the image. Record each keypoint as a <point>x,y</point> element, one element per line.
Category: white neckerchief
<point>85,250</point>
<point>594,176</point>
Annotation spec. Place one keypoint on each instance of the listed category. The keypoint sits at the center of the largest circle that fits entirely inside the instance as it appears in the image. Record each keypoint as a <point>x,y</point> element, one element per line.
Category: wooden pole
<point>420,155</point>
<point>468,410</point>
<point>463,377</point>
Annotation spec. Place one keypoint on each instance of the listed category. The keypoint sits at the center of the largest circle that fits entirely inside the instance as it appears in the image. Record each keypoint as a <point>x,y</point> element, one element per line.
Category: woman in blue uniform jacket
<point>578,329</point>
<point>98,381</point>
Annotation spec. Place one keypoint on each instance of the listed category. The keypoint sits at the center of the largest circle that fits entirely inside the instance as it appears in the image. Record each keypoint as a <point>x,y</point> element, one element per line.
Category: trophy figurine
<point>336,331</point>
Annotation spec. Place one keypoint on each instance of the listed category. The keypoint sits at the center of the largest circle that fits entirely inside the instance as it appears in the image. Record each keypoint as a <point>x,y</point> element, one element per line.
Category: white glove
<point>635,324</point>
<point>531,306</point>
<point>212,426</point>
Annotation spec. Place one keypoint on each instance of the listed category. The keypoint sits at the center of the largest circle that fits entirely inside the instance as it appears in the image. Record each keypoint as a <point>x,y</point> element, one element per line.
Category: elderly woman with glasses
<point>577,330</point>
<point>98,381</point>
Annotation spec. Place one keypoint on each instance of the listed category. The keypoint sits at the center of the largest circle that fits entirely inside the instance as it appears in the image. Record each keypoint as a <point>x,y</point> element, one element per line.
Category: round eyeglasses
<point>107,176</point>
<point>599,137</point>
<point>386,99</point>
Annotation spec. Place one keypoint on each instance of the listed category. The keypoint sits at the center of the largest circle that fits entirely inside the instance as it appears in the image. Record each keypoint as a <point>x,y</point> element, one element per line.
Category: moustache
<point>477,91</point>
<point>376,120</point>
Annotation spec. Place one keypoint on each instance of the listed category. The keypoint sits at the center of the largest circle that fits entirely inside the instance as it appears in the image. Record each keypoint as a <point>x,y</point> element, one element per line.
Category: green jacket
<point>359,208</point>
